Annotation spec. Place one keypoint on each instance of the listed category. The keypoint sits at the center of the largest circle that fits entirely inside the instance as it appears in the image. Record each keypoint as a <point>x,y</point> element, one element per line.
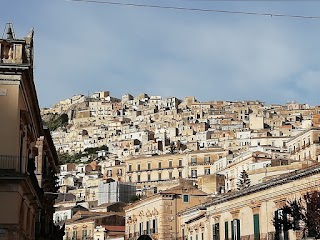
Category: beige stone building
<point>248,214</point>
<point>156,216</point>
<point>83,224</point>
<point>153,169</point>
<point>203,162</point>
<point>28,160</point>
<point>305,146</point>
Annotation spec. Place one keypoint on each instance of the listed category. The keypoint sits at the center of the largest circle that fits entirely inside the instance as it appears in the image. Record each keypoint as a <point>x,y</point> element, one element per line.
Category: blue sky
<point>81,48</point>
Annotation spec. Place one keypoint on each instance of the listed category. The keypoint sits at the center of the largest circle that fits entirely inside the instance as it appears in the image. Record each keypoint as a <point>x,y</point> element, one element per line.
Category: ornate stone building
<point>249,214</point>
<point>157,216</point>
<point>28,160</point>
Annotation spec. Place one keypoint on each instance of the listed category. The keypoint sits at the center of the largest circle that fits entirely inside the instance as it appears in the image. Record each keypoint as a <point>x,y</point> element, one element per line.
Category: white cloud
<point>88,47</point>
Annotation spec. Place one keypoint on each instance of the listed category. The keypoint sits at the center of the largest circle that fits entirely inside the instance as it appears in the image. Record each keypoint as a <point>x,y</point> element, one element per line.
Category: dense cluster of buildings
<point>183,159</point>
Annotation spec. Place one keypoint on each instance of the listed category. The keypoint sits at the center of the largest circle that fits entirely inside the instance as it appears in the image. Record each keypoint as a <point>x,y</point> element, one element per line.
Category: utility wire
<point>197,9</point>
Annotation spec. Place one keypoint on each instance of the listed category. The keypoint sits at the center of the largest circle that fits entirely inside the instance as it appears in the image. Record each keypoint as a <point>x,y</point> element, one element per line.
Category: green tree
<point>55,121</point>
<point>244,181</point>
<point>301,214</point>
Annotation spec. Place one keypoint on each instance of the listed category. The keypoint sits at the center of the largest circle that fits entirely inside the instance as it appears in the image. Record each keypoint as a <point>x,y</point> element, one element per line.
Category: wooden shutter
<point>226,230</point>
<point>256,227</point>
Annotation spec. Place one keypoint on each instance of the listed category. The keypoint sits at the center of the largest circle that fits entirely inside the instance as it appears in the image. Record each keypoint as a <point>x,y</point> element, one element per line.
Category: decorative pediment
<point>155,212</point>
<point>216,218</point>
<point>148,213</point>
<point>255,207</point>
<point>280,202</point>
<point>134,218</point>
<point>235,213</point>
<point>141,213</point>
<point>202,225</point>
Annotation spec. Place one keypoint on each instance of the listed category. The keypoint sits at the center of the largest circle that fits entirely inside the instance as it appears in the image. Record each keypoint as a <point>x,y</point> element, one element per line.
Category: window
<point>193,160</point>
<point>149,165</point>
<point>159,165</point>
<point>185,198</point>
<point>138,167</point>
<point>170,163</point>
<point>235,229</point>
<point>139,178</point>
<point>74,235</point>
<point>140,228</point>
<point>148,227</point>
<point>207,171</point>
<point>180,162</point>
<point>159,176</point>
<point>193,173</point>
<point>154,226</point>
<point>215,232</point>
<point>207,159</point>
<point>130,179</point>
<point>180,174</point>
<point>84,233</point>
<point>256,227</point>
<point>226,230</point>
<point>149,177</point>
<point>170,175</point>
<point>130,168</point>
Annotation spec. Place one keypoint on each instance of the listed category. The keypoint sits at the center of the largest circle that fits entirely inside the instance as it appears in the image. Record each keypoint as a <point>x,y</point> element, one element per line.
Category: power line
<point>196,9</point>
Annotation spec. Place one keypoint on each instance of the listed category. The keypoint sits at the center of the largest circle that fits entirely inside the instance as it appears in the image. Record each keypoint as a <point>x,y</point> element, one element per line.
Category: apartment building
<point>150,170</point>
<point>28,160</point>
<point>305,146</point>
<point>202,162</point>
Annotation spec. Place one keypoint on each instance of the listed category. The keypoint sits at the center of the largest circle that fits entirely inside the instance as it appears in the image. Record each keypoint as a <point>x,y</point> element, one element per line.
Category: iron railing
<point>11,163</point>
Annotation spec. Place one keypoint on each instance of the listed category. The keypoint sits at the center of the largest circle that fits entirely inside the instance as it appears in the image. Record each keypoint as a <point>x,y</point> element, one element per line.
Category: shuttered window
<point>256,227</point>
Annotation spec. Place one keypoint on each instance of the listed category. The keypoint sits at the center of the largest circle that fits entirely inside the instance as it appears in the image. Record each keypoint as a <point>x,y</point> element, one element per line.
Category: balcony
<point>11,163</point>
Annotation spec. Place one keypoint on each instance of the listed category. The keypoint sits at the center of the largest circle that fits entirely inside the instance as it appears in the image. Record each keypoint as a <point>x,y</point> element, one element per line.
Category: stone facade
<point>28,160</point>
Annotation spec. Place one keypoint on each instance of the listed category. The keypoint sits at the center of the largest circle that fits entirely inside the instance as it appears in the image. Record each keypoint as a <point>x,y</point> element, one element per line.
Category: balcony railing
<point>11,163</point>
<point>136,235</point>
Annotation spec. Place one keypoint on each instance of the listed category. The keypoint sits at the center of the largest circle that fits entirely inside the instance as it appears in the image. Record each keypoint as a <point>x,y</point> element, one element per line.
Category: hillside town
<point>150,167</point>
<point>174,166</point>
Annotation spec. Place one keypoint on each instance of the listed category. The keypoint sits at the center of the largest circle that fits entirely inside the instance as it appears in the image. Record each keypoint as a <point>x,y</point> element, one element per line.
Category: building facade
<point>28,160</point>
